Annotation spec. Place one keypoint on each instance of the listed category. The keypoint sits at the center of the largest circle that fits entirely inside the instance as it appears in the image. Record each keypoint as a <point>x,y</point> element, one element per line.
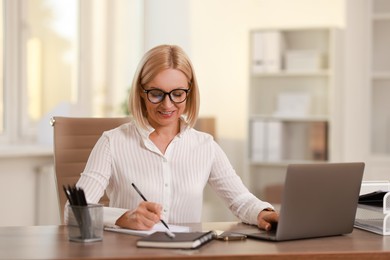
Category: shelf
<point>282,163</point>
<point>276,141</point>
<point>379,84</point>
<point>367,78</point>
<point>293,91</point>
<point>307,119</point>
<point>383,159</point>
<point>381,17</point>
<point>320,73</point>
<point>383,75</point>
<point>380,9</point>
<point>380,41</point>
<point>27,150</point>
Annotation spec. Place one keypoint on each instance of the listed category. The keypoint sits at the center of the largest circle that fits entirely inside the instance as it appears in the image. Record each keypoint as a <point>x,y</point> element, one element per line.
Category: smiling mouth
<point>166,113</point>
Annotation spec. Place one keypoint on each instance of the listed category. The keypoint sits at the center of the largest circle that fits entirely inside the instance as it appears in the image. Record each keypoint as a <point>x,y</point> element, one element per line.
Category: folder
<point>189,240</point>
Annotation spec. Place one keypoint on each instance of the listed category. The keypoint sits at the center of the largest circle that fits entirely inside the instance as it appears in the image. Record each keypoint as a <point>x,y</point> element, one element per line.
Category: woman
<point>160,152</point>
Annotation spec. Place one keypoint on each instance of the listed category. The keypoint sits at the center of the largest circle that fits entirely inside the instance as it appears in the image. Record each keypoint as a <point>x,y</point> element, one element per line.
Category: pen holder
<point>85,223</point>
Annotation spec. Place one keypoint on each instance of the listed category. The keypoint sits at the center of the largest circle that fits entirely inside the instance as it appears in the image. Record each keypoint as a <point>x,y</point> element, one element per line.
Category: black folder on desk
<point>373,198</point>
<point>185,240</point>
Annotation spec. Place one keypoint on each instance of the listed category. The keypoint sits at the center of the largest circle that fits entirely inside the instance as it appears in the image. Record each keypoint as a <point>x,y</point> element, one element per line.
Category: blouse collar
<point>146,132</point>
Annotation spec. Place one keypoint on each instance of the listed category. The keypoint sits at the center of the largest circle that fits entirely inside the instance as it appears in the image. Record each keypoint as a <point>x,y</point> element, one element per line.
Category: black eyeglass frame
<point>165,94</point>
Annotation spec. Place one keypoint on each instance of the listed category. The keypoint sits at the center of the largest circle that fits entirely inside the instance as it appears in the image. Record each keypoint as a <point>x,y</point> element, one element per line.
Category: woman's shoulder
<point>123,129</point>
<point>199,135</point>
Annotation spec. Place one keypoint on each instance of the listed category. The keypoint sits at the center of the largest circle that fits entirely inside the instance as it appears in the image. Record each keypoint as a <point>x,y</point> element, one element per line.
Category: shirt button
<point>165,160</point>
<point>166,184</point>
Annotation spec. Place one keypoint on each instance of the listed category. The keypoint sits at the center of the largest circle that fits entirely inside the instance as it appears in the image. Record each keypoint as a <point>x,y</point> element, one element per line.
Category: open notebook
<point>157,227</point>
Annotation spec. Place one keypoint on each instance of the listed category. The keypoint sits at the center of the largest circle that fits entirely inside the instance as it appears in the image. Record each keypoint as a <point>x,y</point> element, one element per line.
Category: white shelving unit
<point>292,101</point>
<point>380,76</point>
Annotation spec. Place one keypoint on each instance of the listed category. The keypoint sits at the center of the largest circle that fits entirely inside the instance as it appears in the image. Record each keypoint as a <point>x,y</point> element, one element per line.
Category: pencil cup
<point>85,223</point>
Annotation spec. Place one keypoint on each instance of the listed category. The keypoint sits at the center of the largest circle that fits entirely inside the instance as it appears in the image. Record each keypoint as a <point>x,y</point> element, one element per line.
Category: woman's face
<point>165,113</point>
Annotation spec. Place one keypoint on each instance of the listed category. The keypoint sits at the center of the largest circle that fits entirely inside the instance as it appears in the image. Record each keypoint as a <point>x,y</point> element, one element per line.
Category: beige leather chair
<point>74,139</point>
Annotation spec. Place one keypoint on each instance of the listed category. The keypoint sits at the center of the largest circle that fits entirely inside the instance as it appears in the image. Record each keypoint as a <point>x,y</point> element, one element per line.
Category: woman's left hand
<point>267,219</point>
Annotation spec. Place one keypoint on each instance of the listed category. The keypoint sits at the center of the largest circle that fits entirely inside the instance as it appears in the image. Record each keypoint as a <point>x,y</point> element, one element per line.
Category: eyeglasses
<point>156,96</point>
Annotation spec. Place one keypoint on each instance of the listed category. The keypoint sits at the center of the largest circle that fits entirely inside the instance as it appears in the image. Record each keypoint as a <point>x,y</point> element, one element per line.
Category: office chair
<point>74,139</point>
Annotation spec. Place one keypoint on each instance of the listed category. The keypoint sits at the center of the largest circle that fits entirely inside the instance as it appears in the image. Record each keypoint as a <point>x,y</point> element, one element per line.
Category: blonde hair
<point>154,61</point>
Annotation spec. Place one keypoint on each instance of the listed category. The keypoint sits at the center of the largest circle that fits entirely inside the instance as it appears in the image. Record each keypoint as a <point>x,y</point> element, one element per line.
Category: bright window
<point>39,52</point>
<point>69,58</point>
<point>50,45</point>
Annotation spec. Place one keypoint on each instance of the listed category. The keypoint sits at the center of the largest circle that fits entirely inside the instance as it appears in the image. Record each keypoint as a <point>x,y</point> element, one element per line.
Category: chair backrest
<point>74,138</point>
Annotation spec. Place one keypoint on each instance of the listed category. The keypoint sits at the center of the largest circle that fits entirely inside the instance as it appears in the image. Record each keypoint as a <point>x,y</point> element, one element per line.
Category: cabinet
<point>294,95</point>
<point>379,78</point>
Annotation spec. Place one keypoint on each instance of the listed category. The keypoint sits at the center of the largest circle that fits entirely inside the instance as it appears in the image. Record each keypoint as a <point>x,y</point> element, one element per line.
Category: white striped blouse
<point>175,180</point>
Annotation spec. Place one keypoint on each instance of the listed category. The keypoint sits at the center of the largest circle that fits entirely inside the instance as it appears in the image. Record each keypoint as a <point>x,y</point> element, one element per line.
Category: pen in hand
<point>169,233</point>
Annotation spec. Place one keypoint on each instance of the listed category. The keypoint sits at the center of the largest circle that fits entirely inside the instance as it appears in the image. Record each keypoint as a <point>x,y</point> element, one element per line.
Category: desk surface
<point>51,242</point>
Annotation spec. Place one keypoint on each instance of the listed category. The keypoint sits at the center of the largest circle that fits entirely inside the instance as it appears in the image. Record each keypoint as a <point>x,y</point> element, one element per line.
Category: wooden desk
<point>51,242</point>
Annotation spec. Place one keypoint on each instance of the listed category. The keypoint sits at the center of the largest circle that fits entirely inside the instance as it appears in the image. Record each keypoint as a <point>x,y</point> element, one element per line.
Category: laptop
<point>318,200</point>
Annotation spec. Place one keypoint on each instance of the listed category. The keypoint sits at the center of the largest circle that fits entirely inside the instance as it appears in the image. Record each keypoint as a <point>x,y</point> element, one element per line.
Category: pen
<point>170,234</point>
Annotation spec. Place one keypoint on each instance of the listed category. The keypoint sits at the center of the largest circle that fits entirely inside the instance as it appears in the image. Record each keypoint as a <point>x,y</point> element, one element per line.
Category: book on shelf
<point>275,141</point>
<point>267,51</point>
<point>189,240</point>
<point>267,141</point>
<point>258,59</point>
<point>273,51</point>
<point>258,140</point>
<point>318,144</point>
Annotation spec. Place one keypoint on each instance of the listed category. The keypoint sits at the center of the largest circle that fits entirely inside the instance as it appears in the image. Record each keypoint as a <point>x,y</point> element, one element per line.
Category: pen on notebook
<point>169,233</point>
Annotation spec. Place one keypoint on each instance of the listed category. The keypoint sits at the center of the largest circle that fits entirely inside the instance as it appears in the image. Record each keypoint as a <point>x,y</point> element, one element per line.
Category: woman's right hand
<point>144,217</point>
